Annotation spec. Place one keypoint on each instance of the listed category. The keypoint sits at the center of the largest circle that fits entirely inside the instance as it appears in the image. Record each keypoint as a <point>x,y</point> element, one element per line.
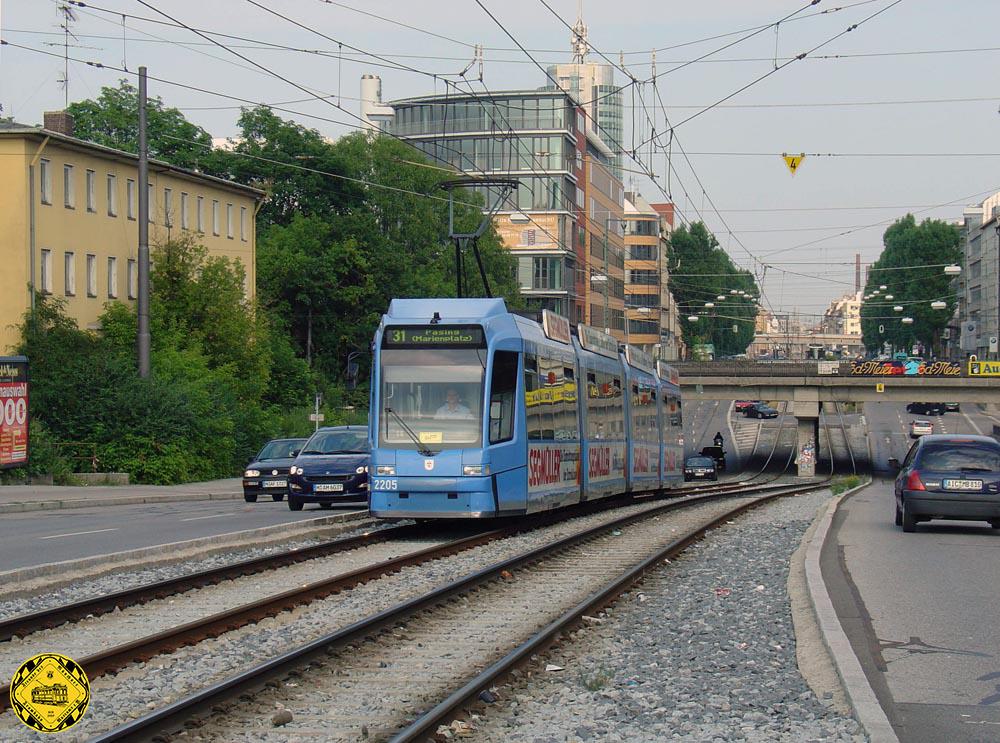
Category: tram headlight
<point>252,473</point>
<point>476,469</point>
<point>385,469</point>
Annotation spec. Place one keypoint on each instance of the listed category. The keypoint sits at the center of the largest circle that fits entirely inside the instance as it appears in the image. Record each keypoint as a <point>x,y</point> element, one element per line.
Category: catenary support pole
<point>142,340</point>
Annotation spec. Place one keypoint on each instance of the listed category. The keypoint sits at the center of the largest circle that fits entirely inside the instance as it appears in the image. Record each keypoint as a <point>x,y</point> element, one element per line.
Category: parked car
<point>700,468</point>
<point>267,474</point>
<point>951,407</point>
<point>920,428</point>
<point>331,468</point>
<point>741,405</point>
<point>926,408</point>
<point>760,410</point>
<point>948,477</point>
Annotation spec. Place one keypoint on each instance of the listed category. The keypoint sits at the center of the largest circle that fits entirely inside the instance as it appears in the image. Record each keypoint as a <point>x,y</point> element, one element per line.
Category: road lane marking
<point>76,533</point>
<point>972,423</point>
<point>213,516</point>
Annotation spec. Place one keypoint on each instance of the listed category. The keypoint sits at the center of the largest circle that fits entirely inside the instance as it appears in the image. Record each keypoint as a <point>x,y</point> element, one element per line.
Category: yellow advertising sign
<point>984,368</point>
<point>793,161</point>
<point>49,692</point>
<point>880,387</point>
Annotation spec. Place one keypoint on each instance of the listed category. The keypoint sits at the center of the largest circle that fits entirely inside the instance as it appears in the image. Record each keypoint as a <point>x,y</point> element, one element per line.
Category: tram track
<point>196,615</point>
<point>379,627</point>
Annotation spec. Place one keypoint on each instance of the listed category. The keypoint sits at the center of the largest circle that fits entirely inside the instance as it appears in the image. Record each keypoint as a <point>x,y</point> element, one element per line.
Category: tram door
<point>507,452</point>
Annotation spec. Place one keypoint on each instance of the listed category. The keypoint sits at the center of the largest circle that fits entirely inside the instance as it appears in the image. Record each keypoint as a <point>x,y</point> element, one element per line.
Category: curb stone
<point>859,692</point>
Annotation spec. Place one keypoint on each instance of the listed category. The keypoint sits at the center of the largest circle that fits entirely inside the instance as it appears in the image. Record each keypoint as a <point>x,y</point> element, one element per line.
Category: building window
<point>112,195</point>
<point>243,223</point>
<point>46,271</point>
<point>91,179</point>
<point>215,217</point>
<point>151,202</point>
<point>45,181</point>
<point>69,265</point>
<point>185,223</point>
<point>168,207</point>
<point>133,278</point>
<point>91,275</point>
<point>199,214</point>
<point>112,278</point>
<point>229,221</point>
<point>130,198</point>
<point>69,200</point>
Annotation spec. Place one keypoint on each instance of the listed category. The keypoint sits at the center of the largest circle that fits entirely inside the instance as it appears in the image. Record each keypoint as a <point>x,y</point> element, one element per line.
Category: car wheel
<point>294,504</point>
<point>249,498</point>
<point>277,497</point>
<point>909,520</point>
<point>899,516</point>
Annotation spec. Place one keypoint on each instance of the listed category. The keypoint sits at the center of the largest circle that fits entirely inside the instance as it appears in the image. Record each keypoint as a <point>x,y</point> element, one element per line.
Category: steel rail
<point>449,708</point>
<point>173,716</point>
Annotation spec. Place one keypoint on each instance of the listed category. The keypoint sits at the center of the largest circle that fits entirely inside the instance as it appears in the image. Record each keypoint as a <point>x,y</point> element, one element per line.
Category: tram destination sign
<point>442,336</point>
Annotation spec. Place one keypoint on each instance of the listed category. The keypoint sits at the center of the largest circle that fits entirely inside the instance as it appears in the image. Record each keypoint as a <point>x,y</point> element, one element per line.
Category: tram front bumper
<point>439,497</point>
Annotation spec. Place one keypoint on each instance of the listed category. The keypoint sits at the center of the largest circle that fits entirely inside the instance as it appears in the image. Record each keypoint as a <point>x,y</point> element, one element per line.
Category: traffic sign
<point>317,417</point>
<point>793,161</point>
<point>993,344</point>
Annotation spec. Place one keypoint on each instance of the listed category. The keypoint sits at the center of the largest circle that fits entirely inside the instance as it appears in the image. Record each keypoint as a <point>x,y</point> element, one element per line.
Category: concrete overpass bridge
<point>809,384</point>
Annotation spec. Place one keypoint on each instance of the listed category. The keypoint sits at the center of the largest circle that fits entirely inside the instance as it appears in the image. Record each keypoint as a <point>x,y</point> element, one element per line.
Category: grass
<point>597,680</point>
<point>843,484</point>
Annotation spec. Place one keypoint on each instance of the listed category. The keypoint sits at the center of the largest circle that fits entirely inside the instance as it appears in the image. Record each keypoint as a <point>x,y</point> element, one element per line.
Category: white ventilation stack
<point>373,114</point>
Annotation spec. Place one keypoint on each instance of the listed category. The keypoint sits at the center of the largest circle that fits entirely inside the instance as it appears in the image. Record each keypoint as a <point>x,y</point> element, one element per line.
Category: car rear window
<point>956,456</point>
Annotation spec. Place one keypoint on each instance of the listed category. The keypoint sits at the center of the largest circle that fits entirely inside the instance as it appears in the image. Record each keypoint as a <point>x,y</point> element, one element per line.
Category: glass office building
<point>532,136</point>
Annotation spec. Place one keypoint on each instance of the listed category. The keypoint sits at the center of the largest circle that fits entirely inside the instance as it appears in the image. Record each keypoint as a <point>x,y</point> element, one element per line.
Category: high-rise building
<point>593,86</point>
<point>977,286</point>
<point>844,315</point>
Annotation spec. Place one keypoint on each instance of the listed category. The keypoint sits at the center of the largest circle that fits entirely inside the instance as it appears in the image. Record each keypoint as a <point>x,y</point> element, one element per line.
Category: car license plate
<point>328,487</point>
<point>963,484</point>
<point>275,483</point>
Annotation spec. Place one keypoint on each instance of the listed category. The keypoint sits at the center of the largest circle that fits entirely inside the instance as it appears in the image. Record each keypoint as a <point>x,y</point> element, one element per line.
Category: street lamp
<point>721,297</point>
<point>883,287</point>
<point>938,305</point>
<point>898,308</point>
<point>692,318</point>
<point>709,305</point>
<point>889,297</point>
<point>906,320</point>
<point>952,270</point>
<point>734,291</point>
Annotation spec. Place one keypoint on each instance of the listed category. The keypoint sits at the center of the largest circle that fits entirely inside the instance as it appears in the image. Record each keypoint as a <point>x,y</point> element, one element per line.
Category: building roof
<point>12,130</point>
<point>453,96</point>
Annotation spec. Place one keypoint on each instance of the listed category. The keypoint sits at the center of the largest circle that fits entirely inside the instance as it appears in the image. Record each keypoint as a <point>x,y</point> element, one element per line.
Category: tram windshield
<point>435,393</point>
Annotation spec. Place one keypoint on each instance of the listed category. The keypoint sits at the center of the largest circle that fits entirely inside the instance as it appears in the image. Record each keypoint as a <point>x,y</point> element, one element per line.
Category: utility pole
<point>142,340</point>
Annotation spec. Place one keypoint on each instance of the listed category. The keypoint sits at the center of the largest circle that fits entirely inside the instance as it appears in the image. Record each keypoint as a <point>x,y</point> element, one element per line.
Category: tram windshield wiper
<point>409,432</point>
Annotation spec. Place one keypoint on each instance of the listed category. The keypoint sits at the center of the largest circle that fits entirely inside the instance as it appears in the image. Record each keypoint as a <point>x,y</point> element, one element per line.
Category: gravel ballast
<point>701,650</point>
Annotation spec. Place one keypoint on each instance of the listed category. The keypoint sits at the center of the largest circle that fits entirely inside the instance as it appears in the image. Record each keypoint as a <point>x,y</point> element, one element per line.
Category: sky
<point>899,114</point>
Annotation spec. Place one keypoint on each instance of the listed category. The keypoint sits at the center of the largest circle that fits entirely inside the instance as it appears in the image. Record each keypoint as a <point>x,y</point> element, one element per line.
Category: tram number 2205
<point>385,483</point>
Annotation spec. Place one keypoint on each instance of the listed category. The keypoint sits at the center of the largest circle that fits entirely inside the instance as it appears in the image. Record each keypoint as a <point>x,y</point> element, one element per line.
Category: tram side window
<point>532,397</point>
<point>502,390</point>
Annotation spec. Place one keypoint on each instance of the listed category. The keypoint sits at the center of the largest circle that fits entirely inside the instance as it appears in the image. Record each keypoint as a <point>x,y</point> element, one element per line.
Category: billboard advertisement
<point>13,411</point>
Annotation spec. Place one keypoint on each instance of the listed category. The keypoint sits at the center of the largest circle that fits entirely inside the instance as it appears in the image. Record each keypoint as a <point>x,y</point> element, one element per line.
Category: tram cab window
<point>502,389</point>
<point>435,393</point>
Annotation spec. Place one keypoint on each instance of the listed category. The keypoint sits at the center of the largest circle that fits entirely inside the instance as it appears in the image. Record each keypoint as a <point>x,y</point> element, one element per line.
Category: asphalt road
<point>38,537</point>
<point>921,609</point>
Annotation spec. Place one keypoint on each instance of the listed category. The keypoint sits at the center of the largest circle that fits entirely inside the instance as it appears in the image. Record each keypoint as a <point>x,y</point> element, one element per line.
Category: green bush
<point>843,484</point>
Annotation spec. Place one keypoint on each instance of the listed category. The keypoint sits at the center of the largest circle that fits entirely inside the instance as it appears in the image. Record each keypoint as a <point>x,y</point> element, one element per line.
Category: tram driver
<point>452,408</point>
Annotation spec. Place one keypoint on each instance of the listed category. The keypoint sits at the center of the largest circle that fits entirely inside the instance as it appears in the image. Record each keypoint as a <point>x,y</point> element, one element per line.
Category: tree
<point>700,272</point>
<point>910,267</point>
<point>113,120</point>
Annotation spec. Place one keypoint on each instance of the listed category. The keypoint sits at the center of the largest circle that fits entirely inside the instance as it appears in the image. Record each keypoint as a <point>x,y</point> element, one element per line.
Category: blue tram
<point>477,412</point>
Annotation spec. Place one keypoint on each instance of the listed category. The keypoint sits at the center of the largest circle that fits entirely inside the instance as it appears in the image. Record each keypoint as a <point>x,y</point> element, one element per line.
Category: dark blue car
<point>948,477</point>
<point>267,474</point>
<point>331,468</point>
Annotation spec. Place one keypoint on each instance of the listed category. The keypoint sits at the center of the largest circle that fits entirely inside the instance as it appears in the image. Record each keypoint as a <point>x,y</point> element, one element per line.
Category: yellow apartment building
<point>69,212</point>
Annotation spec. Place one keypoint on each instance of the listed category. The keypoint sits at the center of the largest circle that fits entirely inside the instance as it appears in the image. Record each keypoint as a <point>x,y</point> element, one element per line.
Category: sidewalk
<point>20,498</point>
